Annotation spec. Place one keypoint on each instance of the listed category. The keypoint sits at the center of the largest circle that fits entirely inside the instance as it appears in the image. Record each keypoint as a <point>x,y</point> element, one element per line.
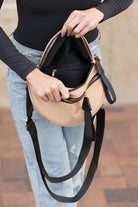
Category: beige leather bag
<point>73,59</point>
<point>69,112</point>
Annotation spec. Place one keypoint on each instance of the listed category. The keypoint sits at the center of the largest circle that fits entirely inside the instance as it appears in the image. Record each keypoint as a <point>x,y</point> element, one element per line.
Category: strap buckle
<point>27,123</point>
<point>26,127</point>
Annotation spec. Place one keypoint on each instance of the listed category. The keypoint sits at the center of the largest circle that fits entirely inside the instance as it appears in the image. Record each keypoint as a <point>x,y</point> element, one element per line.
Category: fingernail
<point>67,96</point>
<point>62,35</point>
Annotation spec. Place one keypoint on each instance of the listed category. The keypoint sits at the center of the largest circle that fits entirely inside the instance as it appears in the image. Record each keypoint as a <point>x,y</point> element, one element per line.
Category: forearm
<point>13,58</point>
<point>111,8</point>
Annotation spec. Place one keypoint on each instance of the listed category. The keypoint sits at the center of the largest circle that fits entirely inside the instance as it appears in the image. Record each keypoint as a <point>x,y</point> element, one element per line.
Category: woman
<point>37,23</point>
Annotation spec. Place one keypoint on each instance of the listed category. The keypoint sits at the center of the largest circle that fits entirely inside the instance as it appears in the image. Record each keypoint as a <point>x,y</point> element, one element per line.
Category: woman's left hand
<point>80,22</point>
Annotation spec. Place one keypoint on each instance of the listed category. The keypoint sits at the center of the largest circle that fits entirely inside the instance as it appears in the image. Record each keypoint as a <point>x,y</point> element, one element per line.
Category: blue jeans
<point>60,146</point>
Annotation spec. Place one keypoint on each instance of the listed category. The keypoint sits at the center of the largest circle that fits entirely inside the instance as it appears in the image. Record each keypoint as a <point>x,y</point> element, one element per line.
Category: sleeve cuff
<point>112,8</point>
<point>103,10</point>
<point>29,69</point>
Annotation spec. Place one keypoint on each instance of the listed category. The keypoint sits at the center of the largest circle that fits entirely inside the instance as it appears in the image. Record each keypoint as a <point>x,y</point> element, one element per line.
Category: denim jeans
<point>60,146</point>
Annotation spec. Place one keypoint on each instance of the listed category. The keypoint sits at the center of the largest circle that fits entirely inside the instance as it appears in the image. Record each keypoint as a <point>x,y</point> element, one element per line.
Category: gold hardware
<point>53,72</point>
<point>93,61</point>
<point>26,126</point>
<point>85,94</point>
<point>96,56</point>
<point>37,66</point>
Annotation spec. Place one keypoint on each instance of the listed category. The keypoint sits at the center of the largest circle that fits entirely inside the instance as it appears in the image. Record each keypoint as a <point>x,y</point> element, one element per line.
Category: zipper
<point>45,53</point>
<point>53,72</point>
<point>87,47</point>
<point>44,57</point>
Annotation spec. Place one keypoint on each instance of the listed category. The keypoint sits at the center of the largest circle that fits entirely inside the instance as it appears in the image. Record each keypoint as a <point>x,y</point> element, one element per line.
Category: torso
<point>40,20</point>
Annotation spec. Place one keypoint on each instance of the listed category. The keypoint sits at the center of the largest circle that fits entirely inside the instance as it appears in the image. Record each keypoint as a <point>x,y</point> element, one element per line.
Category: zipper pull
<point>53,72</point>
<point>93,61</point>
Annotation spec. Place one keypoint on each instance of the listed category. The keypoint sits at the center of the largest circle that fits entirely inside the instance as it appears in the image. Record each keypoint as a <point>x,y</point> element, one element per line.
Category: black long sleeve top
<point>39,20</point>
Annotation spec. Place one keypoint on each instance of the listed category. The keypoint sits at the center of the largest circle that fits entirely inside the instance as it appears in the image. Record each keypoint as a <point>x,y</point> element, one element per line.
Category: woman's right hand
<point>48,88</point>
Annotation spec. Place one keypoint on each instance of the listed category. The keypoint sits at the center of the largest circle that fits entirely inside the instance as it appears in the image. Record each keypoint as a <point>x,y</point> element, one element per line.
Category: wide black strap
<point>108,89</point>
<point>93,166</point>
<point>89,136</point>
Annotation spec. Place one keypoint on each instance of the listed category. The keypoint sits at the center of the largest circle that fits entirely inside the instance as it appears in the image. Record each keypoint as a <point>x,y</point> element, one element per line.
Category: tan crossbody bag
<point>70,60</point>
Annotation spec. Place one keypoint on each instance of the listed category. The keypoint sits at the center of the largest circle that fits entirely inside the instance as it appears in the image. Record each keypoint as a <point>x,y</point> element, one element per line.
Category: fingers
<point>55,94</point>
<point>64,92</point>
<point>71,25</point>
<point>70,89</point>
<point>44,98</point>
<point>49,95</point>
<point>80,27</point>
<point>80,22</point>
<point>48,88</point>
<point>83,32</point>
<point>76,22</point>
<point>68,21</point>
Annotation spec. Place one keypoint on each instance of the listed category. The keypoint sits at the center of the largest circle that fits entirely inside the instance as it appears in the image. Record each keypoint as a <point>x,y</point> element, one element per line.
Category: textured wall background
<point>119,47</point>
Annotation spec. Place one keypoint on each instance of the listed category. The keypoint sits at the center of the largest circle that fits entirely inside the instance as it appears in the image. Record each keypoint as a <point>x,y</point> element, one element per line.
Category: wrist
<point>32,74</point>
<point>99,14</point>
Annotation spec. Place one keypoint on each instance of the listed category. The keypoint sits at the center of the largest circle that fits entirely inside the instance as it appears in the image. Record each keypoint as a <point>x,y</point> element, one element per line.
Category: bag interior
<point>69,56</point>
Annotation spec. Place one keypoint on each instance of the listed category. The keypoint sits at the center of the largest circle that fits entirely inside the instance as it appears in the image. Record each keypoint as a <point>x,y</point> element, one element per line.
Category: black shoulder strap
<point>93,164</point>
<point>108,89</point>
<point>89,136</point>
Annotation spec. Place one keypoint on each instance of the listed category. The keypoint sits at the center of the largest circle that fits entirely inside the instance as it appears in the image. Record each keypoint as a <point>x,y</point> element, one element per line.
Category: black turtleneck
<point>39,20</point>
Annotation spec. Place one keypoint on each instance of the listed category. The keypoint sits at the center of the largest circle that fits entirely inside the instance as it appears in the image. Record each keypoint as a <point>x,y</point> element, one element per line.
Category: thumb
<point>64,92</point>
<point>70,89</point>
